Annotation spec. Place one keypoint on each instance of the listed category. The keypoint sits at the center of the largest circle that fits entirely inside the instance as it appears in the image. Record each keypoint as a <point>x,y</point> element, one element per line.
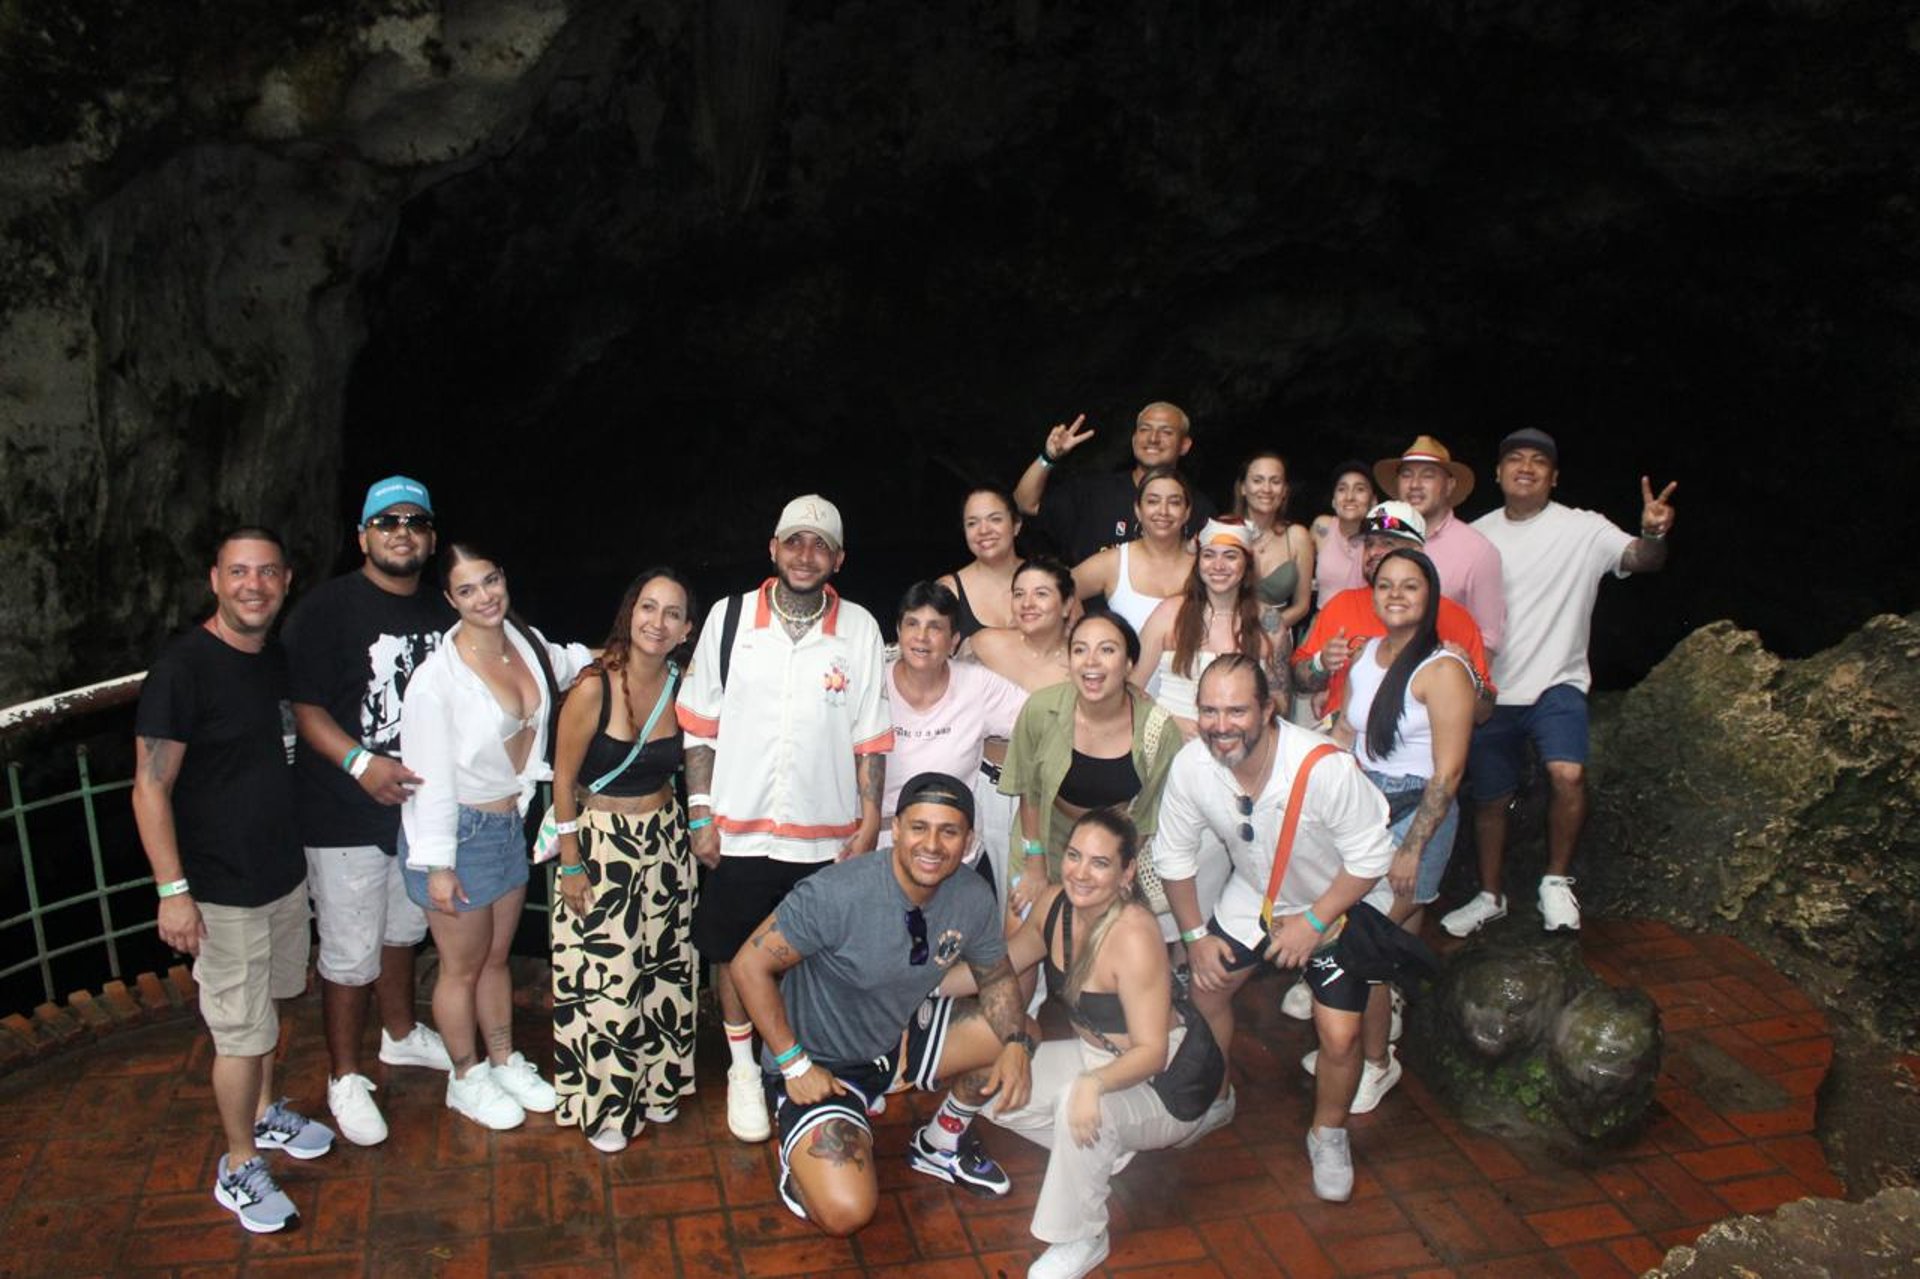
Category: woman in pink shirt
<point>1337,536</point>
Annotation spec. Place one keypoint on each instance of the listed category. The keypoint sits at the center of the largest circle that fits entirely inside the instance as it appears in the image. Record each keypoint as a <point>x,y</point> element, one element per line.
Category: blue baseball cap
<point>392,491</point>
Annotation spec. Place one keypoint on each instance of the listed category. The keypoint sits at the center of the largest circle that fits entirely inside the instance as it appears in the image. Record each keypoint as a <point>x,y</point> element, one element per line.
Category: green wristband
<point>1313,921</point>
<point>1033,848</point>
<point>578,868</point>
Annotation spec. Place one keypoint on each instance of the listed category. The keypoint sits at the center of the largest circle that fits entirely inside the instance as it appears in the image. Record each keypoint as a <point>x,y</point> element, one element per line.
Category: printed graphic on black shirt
<point>391,662</point>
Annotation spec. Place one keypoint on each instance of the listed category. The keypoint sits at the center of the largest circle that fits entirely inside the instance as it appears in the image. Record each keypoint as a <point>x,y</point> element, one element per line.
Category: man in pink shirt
<point>1428,479</point>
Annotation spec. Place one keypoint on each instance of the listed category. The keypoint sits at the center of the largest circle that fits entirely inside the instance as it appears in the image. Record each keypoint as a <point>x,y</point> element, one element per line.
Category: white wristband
<point>172,888</point>
<point>566,828</point>
<point>700,801</point>
<point>361,763</point>
<point>797,1067</point>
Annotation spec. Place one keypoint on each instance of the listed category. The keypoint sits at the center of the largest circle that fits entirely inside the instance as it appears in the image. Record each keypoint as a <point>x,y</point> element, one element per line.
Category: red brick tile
<point>1373,1254</point>
<point>1759,1195</point>
<point>1449,1232</point>
<point>520,1197</point>
<point>1663,949</point>
<point>1637,1252</point>
<point>186,1244</point>
<point>999,1230</point>
<point>1755,1001</point>
<point>934,1224</point>
<point>1426,1173</point>
<point>747,1174</point>
<point>664,1198</point>
<point>1174,1270</point>
<point>1778,1030</point>
<point>1679,1237</point>
<point>1801,1083</point>
<point>1794,1117</point>
<point>664,1163</point>
<point>1699,1118</point>
<point>700,1243</point>
<point>1680,1191</point>
<point>325,1265</point>
<point>1578,1225</point>
<point>445,1259</point>
<point>1566,1188</point>
<point>1156,1248</point>
<point>796,1256</point>
<point>1806,1159</point>
<point>1723,1163</point>
<point>1802,1053</point>
<point>1234,1240</point>
<point>1293,1245</point>
<point>1594,1261</point>
<point>886,1239</point>
<point>1012,1261</point>
<point>946,1268</point>
<point>1489,1210</point>
<point>1373,1216</point>
<point>341,1209</point>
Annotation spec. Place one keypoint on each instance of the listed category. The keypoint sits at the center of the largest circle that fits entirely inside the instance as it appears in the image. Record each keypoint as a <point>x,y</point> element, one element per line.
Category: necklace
<point>1046,658</point>
<point>505,655</point>
<point>773,597</point>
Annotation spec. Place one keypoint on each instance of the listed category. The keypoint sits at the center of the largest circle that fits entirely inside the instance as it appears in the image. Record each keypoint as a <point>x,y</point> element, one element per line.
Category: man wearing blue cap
<point>352,645</point>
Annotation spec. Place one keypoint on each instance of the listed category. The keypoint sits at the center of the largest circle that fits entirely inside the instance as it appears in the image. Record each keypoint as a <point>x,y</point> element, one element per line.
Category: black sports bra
<point>651,769</point>
<point>1099,1011</point>
<point>1092,782</point>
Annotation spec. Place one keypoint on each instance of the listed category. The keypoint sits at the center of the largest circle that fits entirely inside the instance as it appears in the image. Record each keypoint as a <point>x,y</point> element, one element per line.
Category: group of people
<point>1102,745</point>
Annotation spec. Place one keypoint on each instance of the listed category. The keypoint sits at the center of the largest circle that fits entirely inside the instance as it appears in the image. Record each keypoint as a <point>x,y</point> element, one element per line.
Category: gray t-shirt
<point>851,996</point>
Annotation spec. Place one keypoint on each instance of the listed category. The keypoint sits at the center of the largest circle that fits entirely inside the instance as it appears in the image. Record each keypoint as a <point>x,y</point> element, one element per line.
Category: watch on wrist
<point>1024,1040</point>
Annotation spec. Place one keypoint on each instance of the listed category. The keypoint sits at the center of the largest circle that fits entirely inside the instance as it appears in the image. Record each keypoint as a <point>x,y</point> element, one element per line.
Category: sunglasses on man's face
<point>388,522</point>
<point>917,933</point>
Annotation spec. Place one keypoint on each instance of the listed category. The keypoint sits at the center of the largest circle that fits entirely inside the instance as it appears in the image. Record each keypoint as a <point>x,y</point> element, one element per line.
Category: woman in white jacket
<point>475,724</point>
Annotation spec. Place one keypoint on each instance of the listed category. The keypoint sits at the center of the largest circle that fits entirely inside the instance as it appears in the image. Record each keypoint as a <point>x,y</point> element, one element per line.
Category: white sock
<point>949,1124</point>
<point>740,1043</point>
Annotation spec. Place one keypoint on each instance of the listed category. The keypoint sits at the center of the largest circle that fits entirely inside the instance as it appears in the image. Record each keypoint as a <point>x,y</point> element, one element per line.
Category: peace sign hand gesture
<point>1656,513</point>
<point>1065,437</point>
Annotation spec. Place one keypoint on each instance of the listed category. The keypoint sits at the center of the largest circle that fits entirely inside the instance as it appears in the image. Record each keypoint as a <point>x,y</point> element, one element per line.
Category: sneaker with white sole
<point>421,1046</point>
<point>1399,1002</point>
<point>519,1080</point>
<point>480,1098</point>
<point>1559,908</point>
<point>662,1114</point>
<point>608,1141</point>
<point>350,1098</point>
<point>1475,915</point>
<point>251,1194</point>
<point>283,1128</point>
<point>1297,1003</point>
<point>1071,1260</point>
<point>968,1167</point>
<point>1218,1115</point>
<point>747,1104</point>
<point>1332,1158</point>
<point>1375,1081</point>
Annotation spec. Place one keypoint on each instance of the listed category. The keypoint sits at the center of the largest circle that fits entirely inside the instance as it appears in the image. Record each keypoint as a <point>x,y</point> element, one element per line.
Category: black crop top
<point>968,622</point>
<point>1092,782</point>
<point>651,769</point>
<point>1099,1011</point>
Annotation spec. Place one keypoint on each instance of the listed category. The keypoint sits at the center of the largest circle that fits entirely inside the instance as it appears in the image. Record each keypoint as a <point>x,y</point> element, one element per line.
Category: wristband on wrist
<point>702,800</point>
<point>1033,848</point>
<point>567,828</point>
<point>797,1067</point>
<point>783,1058</point>
<point>699,823</point>
<point>361,763</point>
<point>172,888</point>
<point>1046,462</point>
<point>1192,935</point>
<point>346,762</point>
<point>1653,537</point>
<point>1315,665</point>
<point>1313,921</point>
<point>573,868</point>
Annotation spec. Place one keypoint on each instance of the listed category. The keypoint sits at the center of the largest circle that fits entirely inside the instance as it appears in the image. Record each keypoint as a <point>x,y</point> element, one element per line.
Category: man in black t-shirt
<point>353,644</point>
<point>1085,513</point>
<point>213,799</point>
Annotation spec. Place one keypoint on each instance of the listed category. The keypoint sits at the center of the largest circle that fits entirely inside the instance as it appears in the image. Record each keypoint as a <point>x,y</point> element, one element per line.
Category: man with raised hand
<point>1087,512</point>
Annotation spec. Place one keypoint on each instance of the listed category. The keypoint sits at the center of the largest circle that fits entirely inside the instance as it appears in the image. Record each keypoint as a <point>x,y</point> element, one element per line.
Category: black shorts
<point>1326,975</point>
<point>738,894</point>
<point>866,1082</point>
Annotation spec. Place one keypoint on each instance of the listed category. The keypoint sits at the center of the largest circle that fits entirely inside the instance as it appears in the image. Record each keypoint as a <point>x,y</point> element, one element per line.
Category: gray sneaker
<point>283,1128</point>
<point>250,1193</point>
<point>1332,1163</point>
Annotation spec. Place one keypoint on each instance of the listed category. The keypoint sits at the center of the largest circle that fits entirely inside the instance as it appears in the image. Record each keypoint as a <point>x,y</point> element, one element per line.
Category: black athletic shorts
<point>868,1082</point>
<point>1327,976</point>
<point>738,894</point>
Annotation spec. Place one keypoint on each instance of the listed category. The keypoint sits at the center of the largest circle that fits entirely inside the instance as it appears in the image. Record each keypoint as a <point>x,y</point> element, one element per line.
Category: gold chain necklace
<point>773,597</point>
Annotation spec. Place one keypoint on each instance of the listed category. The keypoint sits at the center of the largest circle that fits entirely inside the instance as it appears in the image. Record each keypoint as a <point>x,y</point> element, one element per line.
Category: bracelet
<point>1313,921</point>
<point>346,764</point>
<point>783,1058</point>
<point>700,801</point>
<point>1033,848</point>
<point>797,1067</point>
<point>573,868</point>
<point>1192,935</point>
<point>699,823</point>
<point>1653,537</point>
<point>567,828</point>
<point>360,765</point>
<point>1046,462</point>
<point>172,888</point>
<point>1315,665</point>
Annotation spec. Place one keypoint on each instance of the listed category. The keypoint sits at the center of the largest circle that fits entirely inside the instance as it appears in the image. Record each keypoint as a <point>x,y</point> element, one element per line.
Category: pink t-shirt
<point>1336,565</point>
<point>1469,568</point>
<point>948,736</point>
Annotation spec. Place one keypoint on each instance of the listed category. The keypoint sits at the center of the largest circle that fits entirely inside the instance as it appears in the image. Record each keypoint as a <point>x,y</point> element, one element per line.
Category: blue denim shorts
<point>491,859</point>
<point>1433,858</point>
<point>1557,726</point>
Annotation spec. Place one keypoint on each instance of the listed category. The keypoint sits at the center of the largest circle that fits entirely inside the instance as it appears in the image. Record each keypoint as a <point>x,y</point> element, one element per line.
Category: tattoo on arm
<point>1306,679</point>
<point>768,939</point>
<point>999,998</point>
<point>699,763</point>
<point>163,759</point>
<point>840,1142</point>
<point>872,771</point>
<point>1644,555</point>
<point>1434,802</point>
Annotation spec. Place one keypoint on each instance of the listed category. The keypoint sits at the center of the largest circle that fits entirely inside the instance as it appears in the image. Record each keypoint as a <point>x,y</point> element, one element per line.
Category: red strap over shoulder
<point>1283,849</point>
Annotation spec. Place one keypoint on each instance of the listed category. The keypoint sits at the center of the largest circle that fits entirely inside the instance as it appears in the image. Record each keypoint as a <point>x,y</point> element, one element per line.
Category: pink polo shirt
<point>1336,566</point>
<point>1470,574</point>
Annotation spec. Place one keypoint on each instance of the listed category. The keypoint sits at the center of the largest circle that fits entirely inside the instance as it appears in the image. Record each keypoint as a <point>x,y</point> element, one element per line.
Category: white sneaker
<point>662,1114</point>
<point>421,1046</point>
<point>608,1141</point>
<point>480,1098</point>
<point>350,1098</point>
<point>1297,1003</point>
<point>519,1080</point>
<point>1394,1020</point>
<point>1070,1260</point>
<point>747,1104</point>
<point>1375,1081</point>
<point>1559,908</point>
<point>1475,915</point>
<point>1332,1158</point>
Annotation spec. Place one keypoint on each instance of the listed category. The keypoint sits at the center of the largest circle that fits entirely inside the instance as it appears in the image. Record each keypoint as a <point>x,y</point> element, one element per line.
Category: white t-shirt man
<point>1551,564</point>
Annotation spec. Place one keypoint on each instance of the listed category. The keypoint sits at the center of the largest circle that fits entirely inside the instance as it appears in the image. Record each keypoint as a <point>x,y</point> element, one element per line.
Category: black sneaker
<point>969,1167</point>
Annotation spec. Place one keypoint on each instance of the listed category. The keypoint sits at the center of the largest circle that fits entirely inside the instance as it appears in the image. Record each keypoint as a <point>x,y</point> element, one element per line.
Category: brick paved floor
<point>107,1156</point>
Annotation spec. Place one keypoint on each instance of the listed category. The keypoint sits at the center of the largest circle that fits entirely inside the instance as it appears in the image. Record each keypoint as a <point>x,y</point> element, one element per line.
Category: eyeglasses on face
<point>917,932</point>
<point>388,521</point>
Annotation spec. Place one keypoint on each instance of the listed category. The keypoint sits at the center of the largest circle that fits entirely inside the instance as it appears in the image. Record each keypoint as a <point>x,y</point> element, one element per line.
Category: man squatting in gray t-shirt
<point>863,946</point>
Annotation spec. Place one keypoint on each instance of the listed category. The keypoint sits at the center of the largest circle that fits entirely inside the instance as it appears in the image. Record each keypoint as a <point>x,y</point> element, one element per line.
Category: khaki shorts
<point>251,956</point>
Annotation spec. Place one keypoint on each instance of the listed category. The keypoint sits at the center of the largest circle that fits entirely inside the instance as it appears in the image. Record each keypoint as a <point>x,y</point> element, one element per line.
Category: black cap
<point>1530,437</point>
<point>936,788</point>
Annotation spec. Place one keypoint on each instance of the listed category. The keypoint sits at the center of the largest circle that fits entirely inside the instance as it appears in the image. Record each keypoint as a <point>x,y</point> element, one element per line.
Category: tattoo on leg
<point>971,1088</point>
<point>500,1039</point>
<point>839,1142</point>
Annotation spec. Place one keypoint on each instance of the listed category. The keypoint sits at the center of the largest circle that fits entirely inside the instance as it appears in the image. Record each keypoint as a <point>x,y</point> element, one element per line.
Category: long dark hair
<point>613,653</point>
<point>1190,623</point>
<point>1383,721</point>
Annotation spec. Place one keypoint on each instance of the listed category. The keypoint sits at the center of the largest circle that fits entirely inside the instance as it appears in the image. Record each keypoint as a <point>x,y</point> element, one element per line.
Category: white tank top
<point>1133,605</point>
<point>1413,751</point>
<point>1180,694</point>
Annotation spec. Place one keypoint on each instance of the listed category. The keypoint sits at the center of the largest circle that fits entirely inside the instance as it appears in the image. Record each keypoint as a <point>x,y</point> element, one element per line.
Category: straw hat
<point>1386,472</point>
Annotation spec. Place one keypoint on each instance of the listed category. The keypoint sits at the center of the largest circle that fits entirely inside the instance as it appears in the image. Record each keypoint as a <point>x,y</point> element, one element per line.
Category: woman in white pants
<point>1092,1104</point>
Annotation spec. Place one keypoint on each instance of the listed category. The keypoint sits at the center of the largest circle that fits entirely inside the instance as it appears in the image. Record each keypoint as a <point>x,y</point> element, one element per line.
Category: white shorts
<point>360,904</point>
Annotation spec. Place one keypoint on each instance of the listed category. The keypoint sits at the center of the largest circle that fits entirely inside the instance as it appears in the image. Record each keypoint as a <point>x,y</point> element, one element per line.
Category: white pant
<point>360,904</point>
<point>1073,1198</point>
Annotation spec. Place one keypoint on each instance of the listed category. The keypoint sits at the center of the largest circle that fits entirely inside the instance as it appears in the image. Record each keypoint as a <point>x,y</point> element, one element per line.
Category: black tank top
<point>968,622</point>
<point>1092,782</point>
<point>1097,1010</point>
<point>651,769</point>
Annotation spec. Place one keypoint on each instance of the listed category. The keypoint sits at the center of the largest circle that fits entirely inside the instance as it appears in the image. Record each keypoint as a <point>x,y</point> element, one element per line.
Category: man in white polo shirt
<point>1553,558</point>
<point>787,729</point>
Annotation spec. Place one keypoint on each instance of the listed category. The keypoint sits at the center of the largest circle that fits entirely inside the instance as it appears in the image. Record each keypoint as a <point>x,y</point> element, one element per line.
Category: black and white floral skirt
<point>623,977</point>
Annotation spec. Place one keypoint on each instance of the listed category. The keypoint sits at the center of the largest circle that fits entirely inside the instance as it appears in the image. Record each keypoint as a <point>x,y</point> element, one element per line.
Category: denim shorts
<point>491,859</point>
<point>1433,858</point>
<point>1557,726</point>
